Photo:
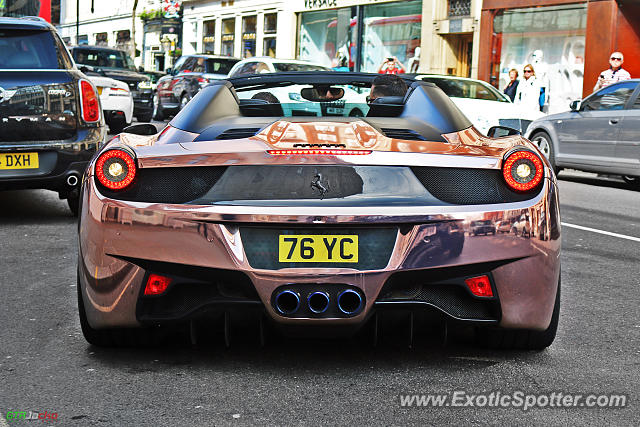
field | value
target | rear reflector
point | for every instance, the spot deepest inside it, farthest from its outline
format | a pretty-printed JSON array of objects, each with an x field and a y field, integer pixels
[
  {"x": 90, "y": 104},
  {"x": 156, "y": 284},
  {"x": 318, "y": 152},
  {"x": 480, "y": 286}
]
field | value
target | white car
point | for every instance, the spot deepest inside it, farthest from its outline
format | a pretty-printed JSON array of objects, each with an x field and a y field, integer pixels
[
  {"x": 482, "y": 103},
  {"x": 352, "y": 103},
  {"x": 116, "y": 101}
]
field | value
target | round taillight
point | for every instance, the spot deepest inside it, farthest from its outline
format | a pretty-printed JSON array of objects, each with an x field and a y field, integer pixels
[
  {"x": 523, "y": 170},
  {"x": 115, "y": 169}
]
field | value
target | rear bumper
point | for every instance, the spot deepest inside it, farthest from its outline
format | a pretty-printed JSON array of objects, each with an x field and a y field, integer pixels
[
  {"x": 202, "y": 248},
  {"x": 59, "y": 160}
]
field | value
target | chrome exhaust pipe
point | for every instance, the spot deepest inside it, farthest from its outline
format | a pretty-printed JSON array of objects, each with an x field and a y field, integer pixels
[
  {"x": 349, "y": 301},
  {"x": 318, "y": 302},
  {"x": 72, "y": 180},
  {"x": 287, "y": 302}
]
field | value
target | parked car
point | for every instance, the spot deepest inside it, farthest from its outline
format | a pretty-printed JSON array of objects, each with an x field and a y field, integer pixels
[
  {"x": 482, "y": 103},
  {"x": 600, "y": 133},
  {"x": 116, "y": 101},
  {"x": 503, "y": 226},
  {"x": 484, "y": 226},
  {"x": 51, "y": 122},
  {"x": 118, "y": 65},
  {"x": 313, "y": 224},
  {"x": 522, "y": 226},
  {"x": 182, "y": 82},
  {"x": 350, "y": 103}
]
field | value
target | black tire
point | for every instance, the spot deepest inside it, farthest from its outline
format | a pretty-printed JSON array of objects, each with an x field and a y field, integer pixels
[
  {"x": 544, "y": 142},
  {"x": 184, "y": 100},
  {"x": 145, "y": 118},
  {"x": 158, "y": 112},
  {"x": 117, "y": 127},
  {"x": 356, "y": 113},
  {"x": 632, "y": 181},
  {"x": 146, "y": 337},
  {"x": 521, "y": 339},
  {"x": 73, "y": 201}
]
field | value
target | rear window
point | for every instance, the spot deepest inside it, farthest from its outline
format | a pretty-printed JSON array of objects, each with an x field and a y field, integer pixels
[
  {"x": 29, "y": 49},
  {"x": 285, "y": 66},
  {"x": 220, "y": 66},
  {"x": 103, "y": 58}
]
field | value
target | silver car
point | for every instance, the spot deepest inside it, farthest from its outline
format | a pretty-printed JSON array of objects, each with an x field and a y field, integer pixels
[{"x": 601, "y": 133}]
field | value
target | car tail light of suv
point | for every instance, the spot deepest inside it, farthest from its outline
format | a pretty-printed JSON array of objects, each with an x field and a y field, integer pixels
[{"x": 89, "y": 102}]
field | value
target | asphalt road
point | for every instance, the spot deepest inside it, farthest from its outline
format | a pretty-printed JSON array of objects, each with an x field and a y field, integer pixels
[{"x": 45, "y": 364}]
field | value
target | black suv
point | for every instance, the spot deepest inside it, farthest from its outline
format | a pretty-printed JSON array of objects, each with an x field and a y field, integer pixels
[
  {"x": 51, "y": 122},
  {"x": 190, "y": 74},
  {"x": 118, "y": 65}
]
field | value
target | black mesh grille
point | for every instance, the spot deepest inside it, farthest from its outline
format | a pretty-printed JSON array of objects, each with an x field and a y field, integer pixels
[
  {"x": 168, "y": 185},
  {"x": 465, "y": 186},
  {"x": 238, "y": 133},
  {"x": 406, "y": 134}
]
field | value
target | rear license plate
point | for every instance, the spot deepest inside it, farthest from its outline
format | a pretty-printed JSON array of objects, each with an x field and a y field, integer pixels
[
  {"x": 19, "y": 161},
  {"x": 318, "y": 248}
]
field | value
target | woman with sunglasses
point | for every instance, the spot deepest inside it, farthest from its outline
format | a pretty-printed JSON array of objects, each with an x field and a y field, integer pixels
[
  {"x": 528, "y": 93},
  {"x": 614, "y": 73}
]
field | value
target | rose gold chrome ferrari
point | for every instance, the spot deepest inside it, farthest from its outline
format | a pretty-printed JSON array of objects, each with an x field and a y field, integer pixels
[{"x": 290, "y": 209}]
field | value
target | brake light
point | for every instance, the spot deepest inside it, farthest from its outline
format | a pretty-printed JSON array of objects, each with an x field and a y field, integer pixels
[
  {"x": 90, "y": 104},
  {"x": 115, "y": 169},
  {"x": 156, "y": 284},
  {"x": 321, "y": 152},
  {"x": 523, "y": 170},
  {"x": 480, "y": 286},
  {"x": 203, "y": 80}
]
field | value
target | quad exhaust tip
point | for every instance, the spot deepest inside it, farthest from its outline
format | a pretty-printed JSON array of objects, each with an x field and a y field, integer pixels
[
  {"x": 287, "y": 302},
  {"x": 318, "y": 302},
  {"x": 349, "y": 301}
]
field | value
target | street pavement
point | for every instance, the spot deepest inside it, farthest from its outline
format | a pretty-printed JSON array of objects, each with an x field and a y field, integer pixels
[{"x": 45, "y": 364}]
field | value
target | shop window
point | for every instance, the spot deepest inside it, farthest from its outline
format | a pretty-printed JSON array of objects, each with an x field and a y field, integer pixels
[
  {"x": 102, "y": 39},
  {"x": 228, "y": 36},
  {"x": 270, "y": 23},
  {"x": 123, "y": 40},
  {"x": 269, "y": 47},
  {"x": 392, "y": 30},
  {"x": 328, "y": 37},
  {"x": 550, "y": 38},
  {"x": 249, "y": 36},
  {"x": 459, "y": 8},
  {"x": 83, "y": 39},
  {"x": 208, "y": 36}
]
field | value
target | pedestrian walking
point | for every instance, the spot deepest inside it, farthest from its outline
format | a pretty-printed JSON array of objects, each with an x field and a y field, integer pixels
[
  {"x": 528, "y": 92},
  {"x": 614, "y": 73},
  {"x": 512, "y": 87}
]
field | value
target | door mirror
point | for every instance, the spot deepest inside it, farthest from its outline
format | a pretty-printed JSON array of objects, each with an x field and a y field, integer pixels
[
  {"x": 141, "y": 129},
  {"x": 169, "y": 71},
  {"x": 500, "y": 131},
  {"x": 575, "y": 105}
]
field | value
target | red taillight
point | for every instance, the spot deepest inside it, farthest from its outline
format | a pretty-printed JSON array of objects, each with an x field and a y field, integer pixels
[
  {"x": 156, "y": 284},
  {"x": 480, "y": 286},
  {"x": 115, "y": 169},
  {"x": 318, "y": 152},
  {"x": 202, "y": 80},
  {"x": 90, "y": 104},
  {"x": 523, "y": 170}
]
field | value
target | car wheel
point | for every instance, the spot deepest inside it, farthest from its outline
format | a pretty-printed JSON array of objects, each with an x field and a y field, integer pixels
[
  {"x": 522, "y": 339},
  {"x": 543, "y": 141},
  {"x": 632, "y": 181},
  {"x": 184, "y": 101},
  {"x": 158, "y": 112},
  {"x": 115, "y": 337},
  {"x": 356, "y": 113},
  {"x": 73, "y": 201},
  {"x": 145, "y": 118}
]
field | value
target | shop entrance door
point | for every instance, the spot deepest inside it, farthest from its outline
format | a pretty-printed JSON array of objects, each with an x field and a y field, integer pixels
[{"x": 462, "y": 47}]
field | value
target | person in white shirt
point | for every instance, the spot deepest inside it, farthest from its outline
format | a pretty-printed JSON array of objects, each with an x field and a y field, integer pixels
[
  {"x": 614, "y": 73},
  {"x": 528, "y": 93}
]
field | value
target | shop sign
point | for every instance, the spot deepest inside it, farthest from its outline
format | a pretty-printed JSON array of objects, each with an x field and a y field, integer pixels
[
  {"x": 171, "y": 8},
  {"x": 249, "y": 36},
  {"x": 317, "y": 4}
]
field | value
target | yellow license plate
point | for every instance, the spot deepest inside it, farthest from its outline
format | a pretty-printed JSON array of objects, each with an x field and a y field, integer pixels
[
  {"x": 318, "y": 248},
  {"x": 100, "y": 90},
  {"x": 19, "y": 161}
]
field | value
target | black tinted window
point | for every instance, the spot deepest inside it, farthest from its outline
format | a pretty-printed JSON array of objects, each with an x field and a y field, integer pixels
[
  {"x": 612, "y": 97},
  {"x": 29, "y": 49},
  {"x": 219, "y": 66},
  {"x": 283, "y": 66},
  {"x": 101, "y": 58},
  {"x": 466, "y": 89}
]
